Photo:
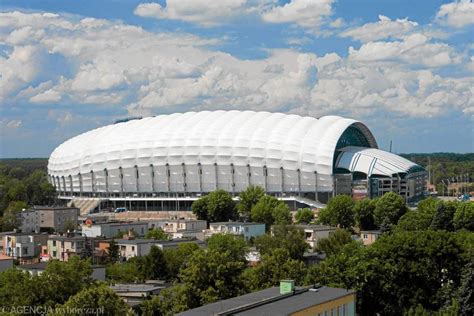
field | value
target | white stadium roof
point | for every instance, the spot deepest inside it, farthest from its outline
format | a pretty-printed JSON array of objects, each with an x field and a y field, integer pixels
[
  {"x": 372, "y": 161},
  {"x": 241, "y": 139}
]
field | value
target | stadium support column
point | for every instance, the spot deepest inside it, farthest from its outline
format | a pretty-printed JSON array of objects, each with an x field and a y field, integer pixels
[
  {"x": 216, "y": 171},
  {"x": 64, "y": 185},
  {"x": 249, "y": 174},
  {"x": 184, "y": 177},
  {"x": 70, "y": 185},
  {"x": 316, "y": 186},
  {"x": 265, "y": 174},
  {"x": 282, "y": 180},
  {"x": 92, "y": 182},
  {"x": 299, "y": 181},
  {"x": 59, "y": 184},
  {"x": 152, "y": 169},
  {"x": 200, "y": 177},
  {"x": 168, "y": 177},
  {"x": 137, "y": 186},
  {"x": 80, "y": 184},
  {"x": 121, "y": 180},
  {"x": 232, "y": 175},
  {"x": 106, "y": 174}
]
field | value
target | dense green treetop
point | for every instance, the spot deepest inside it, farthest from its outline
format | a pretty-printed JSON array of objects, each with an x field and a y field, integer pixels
[
  {"x": 217, "y": 206},
  {"x": 464, "y": 216},
  {"x": 235, "y": 245},
  {"x": 304, "y": 216},
  {"x": 287, "y": 237},
  {"x": 274, "y": 267},
  {"x": 364, "y": 214},
  {"x": 248, "y": 198},
  {"x": 335, "y": 242},
  {"x": 98, "y": 298},
  {"x": 338, "y": 212},
  {"x": 388, "y": 210},
  {"x": 270, "y": 210}
]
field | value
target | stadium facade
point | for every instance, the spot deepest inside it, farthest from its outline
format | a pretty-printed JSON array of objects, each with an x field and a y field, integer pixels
[{"x": 184, "y": 155}]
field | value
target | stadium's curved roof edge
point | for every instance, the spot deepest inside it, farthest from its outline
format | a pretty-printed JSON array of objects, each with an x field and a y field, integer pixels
[
  {"x": 274, "y": 140},
  {"x": 372, "y": 161}
]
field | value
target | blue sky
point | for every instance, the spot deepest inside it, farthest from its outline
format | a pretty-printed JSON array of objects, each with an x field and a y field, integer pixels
[{"x": 404, "y": 68}]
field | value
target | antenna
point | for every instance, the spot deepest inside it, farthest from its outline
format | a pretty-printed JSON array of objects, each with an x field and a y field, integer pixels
[{"x": 390, "y": 150}]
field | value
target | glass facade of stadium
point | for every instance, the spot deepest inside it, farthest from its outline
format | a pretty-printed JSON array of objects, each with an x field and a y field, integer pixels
[{"x": 155, "y": 163}]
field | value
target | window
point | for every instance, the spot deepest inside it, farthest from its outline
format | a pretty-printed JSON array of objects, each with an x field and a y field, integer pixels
[
  {"x": 25, "y": 250},
  {"x": 133, "y": 248},
  {"x": 365, "y": 236},
  {"x": 54, "y": 243},
  {"x": 54, "y": 254}
]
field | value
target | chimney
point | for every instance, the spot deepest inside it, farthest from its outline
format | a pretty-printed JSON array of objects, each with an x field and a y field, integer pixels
[{"x": 287, "y": 286}]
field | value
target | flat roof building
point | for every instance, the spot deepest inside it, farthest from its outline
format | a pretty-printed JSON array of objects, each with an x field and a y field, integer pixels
[{"x": 302, "y": 301}]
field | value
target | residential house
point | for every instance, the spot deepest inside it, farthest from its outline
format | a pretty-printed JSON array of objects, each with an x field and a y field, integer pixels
[
  {"x": 63, "y": 247},
  {"x": 135, "y": 293},
  {"x": 112, "y": 229},
  {"x": 313, "y": 233},
  {"x": 247, "y": 230},
  {"x": 185, "y": 228},
  {"x": 5, "y": 263},
  {"x": 23, "y": 246},
  {"x": 284, "y": 300},
  {"x": 56, "y": 218},
  {"x": 370, "y": 236},
  {"x": 141, "y": 247},
  {"x": 28, "y": 221},
  {"x": 98, "y": 271}
]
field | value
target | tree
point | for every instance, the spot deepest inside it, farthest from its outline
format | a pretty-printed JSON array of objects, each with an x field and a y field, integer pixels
[
  {"x": 364, "y": 214},
  {"x": 69, "y": 226},
  {"x": 17, "y": 288},
  {"x": 175, "y": 299},
  {"x": 339, "y": 212},
  {"x": 153, "y": 265},
  {"x": 113, "y": 253},
  {"x": 63, "y": 279},
  {"x": 10, "y": 219},
  {"x": 388, "y": 210},
  {"x": 248, "y": 198},
  {"x": 177, "y": 258},
  {"x": 270, "y": 210},
  {"x": 466, "y": 290},
  {"x": 335, "y": 242},
  {"x": 157, "y": 234},
  {"x": 236, "y": 245},
  {"x": 304, "y": 216},
  {"x": 428, "y": 205},
  {"x": 221, "y": 207},
  {"x": 212, "y": 275},
  {"x": 288, "y": 237},
  {"x": 464, "y": 216},
  {"x": 126, "y": 272},
  {"x": 398, "y": 271},
  {"x": 217, "y": 206},
  {"x": 443, "y": 217},
  {"x": 99, "y": 298},
  {"x": 414, "y": 221},
  {"x": 275, "y": 266},
  {"x": 200, "y": 208}
]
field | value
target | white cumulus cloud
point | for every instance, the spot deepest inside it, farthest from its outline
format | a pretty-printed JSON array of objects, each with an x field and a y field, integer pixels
[
  {"x": 383, "y": 29},
  {"x": 306, "y": 13},
  {"x": 456, "y": 14}
]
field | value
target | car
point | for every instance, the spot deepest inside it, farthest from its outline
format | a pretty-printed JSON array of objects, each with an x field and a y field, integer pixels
[{"x": 120, "y": 210}]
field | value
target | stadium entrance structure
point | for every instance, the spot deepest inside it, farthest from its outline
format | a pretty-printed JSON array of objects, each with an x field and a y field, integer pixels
[{"x": 185, "y": 155}]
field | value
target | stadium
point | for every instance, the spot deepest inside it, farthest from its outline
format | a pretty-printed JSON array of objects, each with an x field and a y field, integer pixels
[{"x": 168, "y": 161}]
